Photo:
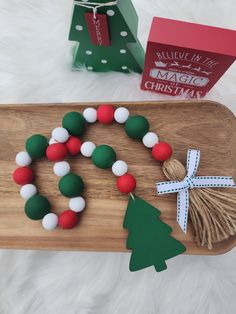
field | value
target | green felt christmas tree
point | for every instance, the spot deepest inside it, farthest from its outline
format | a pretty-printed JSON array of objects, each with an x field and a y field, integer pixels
[
  {"x": 124, "y": 53},
  {"x": 149, "y": 237}
]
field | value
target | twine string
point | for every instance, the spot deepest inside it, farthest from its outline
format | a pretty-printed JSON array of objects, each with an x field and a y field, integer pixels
[
  {"x": 95, "y": 5},
  {"x": 190, "y": 182},
  {"x": 213, "y": 212},
  {"x": 132, "y": 196}
]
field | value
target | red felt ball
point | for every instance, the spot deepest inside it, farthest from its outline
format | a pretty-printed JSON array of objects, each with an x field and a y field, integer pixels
[
  {"x": 56, "y": 152},
  {"x": 73, "y": 145},
  {"x": 126, "y": 183},
  {"x": 105, "y": 114},
  {"x": 23, "y": 175},
  {"x": 162, "y": 151},
  {"x": 68, "y": 219}
]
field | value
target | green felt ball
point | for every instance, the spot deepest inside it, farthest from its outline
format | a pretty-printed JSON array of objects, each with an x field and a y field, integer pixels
[
  {"x": 74, "y": 122},
  {"x": 103, "y": 156},
  {"x": 37, "y": 207},
  {"x": 36, "y": 145},
  {"x": 71, "y": 185},
  {"x": 136, "y": 126}
]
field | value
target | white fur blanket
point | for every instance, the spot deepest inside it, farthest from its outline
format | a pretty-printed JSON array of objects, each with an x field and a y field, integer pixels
[{"x": 35, "y": 58}]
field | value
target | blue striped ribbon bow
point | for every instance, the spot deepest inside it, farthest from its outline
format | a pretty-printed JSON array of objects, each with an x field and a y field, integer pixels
[{"x": 191, "y": 182}]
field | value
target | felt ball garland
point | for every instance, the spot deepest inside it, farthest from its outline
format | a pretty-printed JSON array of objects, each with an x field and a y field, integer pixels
[
  {"x": 61, "y": 168},
  {"x": 37, "y": 207},
  {"x": 105, "y": 114},
  {"x": 90, "y": 115},
  {"x": 71, "y": 185},
  {"x": 119, "y": 168},
  {"x": 65, "y": 141},
  {"x": 77, "y": 204},
  {"x": 23, "y": 175},
  {"x": 74, "y": 123},
  {"x": 136, "y": 127},
  {"x": 121, "y": 115},
  {"x": 60, "y": 135},
  {"x": 161, "y": 151},
  {"x": 87, "y": 149},
  {"x": 68, "y": 219},
  {"x": 56, "y": 152},
  {"x": 126, "y": 183},
  {"x": 73, "y": 145},
  {"x": 50, "y": 221},
  {"x": 144, "y": 217},
  {"x": 103, "y": 156},
  {"x": 23, "y": 159},
  {"x": 27, "y": 191},
  {"x": 150, "y": 139},
  {"x": 36, "y": 146}
]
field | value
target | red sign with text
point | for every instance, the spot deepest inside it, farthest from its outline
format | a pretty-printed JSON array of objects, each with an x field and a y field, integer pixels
[
  {"x": 185, "y": 58},
  {"x": 98, "y": 29}
]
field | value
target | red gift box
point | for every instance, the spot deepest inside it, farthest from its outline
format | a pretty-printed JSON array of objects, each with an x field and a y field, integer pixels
[{"x": 185, "y": 58}]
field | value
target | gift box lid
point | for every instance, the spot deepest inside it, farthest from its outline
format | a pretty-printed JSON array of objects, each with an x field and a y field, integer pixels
[{"x": 193, "y": 36}]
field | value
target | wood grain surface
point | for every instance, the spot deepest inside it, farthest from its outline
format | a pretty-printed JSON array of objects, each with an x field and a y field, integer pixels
[{"x": 205, "y": 125}]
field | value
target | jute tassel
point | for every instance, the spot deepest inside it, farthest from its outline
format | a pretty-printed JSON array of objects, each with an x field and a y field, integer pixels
[{"x": 213, "y": 212}]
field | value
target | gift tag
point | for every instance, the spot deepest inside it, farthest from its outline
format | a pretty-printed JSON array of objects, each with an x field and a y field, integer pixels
[{"x": 98, "y": 29}]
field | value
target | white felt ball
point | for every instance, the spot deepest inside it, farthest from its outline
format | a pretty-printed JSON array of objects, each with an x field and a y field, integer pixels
[
  {"x": 90, "y": 115},
  {"x": 60, "y": 134},
  {"x": 27, "y": 191},
  {"x": 50, "y": 221},
  {"x": 150, "y": 139},
  {"x": 119, "y": 168},
  {"x": 23, "y": 159},
  {"x": 61, "y": 168},
  {"x": 77, "y": 204},
  {"x": 87, "y": 149},
  {"x": 121, "y": 115},
  {"x": 52, "y": 141}
]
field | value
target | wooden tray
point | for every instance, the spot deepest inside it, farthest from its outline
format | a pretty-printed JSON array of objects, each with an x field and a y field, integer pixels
[{"x": 205, "y": 125}]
